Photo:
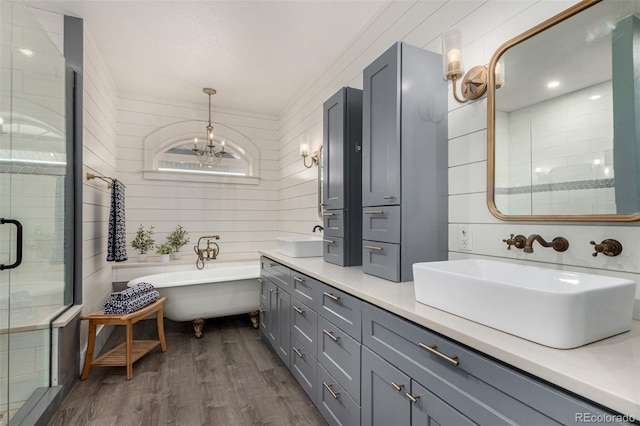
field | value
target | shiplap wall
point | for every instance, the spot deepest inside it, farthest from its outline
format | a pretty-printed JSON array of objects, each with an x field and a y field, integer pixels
[
  {"x": 99, "y": 157},
  {"x": 245, "y": 216},
  {"x": 485, "y": 26}
]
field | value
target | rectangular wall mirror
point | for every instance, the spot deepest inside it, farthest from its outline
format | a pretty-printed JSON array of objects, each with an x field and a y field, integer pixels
[{"x": 564, "y": 128}]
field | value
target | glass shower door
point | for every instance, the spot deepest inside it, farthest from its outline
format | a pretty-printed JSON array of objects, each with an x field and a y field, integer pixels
[{"x": 33, "y": 171}]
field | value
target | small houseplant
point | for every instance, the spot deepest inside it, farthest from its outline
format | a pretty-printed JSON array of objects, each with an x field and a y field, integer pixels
[
  {"x": 143, "y": 242},
  {"x": 164, "y": 250},
  {"x": 177, "y": 239}
]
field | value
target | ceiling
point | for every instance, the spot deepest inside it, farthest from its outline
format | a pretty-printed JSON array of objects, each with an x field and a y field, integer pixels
[{"x": 258, "y": 55}]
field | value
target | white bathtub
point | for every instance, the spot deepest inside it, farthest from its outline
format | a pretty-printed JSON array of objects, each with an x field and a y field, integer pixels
[{"x": 212, "y": 292}]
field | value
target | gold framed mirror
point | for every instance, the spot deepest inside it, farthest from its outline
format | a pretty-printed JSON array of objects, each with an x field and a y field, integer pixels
[{"x": 567, "y": 113}]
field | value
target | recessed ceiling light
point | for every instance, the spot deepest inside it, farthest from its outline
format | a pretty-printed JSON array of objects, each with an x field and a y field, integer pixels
[
  {"x": 596, "y": 162},
  {"x": 594, "y": 97},
  {"x": 553, "y": 84},
  {"x": 26, "y": 52}
]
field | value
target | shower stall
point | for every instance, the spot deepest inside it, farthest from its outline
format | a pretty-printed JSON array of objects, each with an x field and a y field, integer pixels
[{"x": 36, "y": 195}]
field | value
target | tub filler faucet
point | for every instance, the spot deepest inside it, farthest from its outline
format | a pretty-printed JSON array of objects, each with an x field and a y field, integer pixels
[{"x": 208, "y": 253}]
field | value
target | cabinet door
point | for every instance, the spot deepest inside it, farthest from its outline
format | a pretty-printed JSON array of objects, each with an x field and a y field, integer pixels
[
  {"x": 283, "y": 345},
  {"x": 264, "y": 291},
  {"x": 428, "y": 409},
  {"x": 333, "y": 155},
  {"x": 381, "y": 130},
  {"x": 383, "y": 392}
]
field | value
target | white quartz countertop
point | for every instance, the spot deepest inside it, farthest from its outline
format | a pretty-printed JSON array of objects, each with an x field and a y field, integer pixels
[{"x": 606, "y": 372}]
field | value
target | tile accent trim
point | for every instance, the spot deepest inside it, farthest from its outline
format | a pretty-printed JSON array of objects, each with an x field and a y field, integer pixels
[{"x": 560, "y": 186}]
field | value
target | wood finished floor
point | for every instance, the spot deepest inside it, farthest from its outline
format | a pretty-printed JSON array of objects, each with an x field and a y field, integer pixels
[{"x": 228, "y": 377}]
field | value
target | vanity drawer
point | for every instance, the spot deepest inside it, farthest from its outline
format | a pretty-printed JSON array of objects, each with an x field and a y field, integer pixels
[
  {"x": 305, "y": 289},
  {"x": 304, "y": 368},
  {"x": 517, "y": 398},
  {"x": 304, "y": 325},
  {"x": 342, "y": 309},
  {"x": 333, "y": 223},
  {"x": 339, "y": 354},
  {"x": 381, "y": 260},
  {"x": 381, "y": 224},
  {"x": 335, "y": 405},
  {"x": 277, "y": 273},
  {"x": 333, "y": 251}
]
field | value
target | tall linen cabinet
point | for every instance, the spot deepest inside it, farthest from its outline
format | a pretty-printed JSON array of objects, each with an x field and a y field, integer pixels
[
  {"x": 342, "y": 177},
  {"x": 404, "y": 163}
]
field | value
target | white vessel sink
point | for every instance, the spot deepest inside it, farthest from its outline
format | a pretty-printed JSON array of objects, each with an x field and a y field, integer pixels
[
  {"x": 559, "y": 309},
  {"x": 304, "y": 246}
]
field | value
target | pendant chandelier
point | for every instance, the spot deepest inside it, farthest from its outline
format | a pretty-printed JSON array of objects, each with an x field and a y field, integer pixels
[{"x": 208, "y": 156}]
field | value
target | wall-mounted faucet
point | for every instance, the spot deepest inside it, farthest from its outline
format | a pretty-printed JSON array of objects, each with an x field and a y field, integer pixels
[
  {"x": 558, "y": 243},
  {"x": 208, "y": 253},
  {"x": 607, "y": 247}
]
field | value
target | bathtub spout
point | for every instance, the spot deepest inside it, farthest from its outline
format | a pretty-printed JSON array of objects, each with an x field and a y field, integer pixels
[{"x": 198, "y": 324}]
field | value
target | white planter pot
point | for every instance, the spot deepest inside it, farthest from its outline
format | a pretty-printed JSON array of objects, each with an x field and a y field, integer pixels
[
  {"x": 164, "y": 258},
  {"x": 176, "y": 255},
  {"x": 142, "y": 257}
]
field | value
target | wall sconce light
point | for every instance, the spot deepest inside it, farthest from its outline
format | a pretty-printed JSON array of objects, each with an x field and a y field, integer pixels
[
  {"x": 474, "y": 82},
  {"x": 304, "y": 152}
]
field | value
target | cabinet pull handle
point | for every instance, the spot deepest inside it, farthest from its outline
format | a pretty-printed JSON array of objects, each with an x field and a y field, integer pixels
[
  {"x": 297, "y": 351},
  {"x": 298, "y": 310},
  {"x": 300, "y": 280},
  {"x": 434, "y": 350},
  {"x": 274, "y": 290},
  {"x": 272, "y": 264},
  {"x": 374, "y": 212},
  {"x": 328, "y": 214},
  {"x": 397, "y": 386},
  {"x": 413, "y": 399},
  {"x": 260, "y": 281},
  {"x": 388, "y": 197},
  {"x": 262, "y": 310},
  {"x": 374, "y": 248},
  {"x": 330, "y": 334},
  {"x": 331, "y": 296},
  {"x": 329, "y": 241},
  {"x": 328, "y": 387}
]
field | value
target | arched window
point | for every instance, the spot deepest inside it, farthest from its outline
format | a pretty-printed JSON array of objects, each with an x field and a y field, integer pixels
[{"x": 169, "y": 155}]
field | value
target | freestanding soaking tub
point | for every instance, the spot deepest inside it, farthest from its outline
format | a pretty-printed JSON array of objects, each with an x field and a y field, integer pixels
[{"x": 217, "y": 291}]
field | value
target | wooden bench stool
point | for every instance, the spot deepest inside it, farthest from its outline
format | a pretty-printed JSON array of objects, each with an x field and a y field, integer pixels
[{"x": 130, "y": 351}]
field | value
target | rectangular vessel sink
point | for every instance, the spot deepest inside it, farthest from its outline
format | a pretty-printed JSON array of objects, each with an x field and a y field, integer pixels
[
  {"x": 303, "y": 246},
  {"x": 555, "y": 308}
]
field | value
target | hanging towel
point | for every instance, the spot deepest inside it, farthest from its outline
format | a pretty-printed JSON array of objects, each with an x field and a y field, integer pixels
[{"x": 117, "y": 240}]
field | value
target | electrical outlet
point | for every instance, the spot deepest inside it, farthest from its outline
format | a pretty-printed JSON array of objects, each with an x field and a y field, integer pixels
[{"x": 465, "y": 241}]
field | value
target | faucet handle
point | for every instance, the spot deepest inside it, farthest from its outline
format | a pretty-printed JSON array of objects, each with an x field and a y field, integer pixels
[
  {"x": 518, "y": 241},
  {"x": 608, "y": 247}
]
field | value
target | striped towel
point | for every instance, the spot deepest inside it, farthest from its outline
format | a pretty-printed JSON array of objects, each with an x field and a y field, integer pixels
[
  {"x": 123, "y": 307},
  {"x": 132, "y": 291}
]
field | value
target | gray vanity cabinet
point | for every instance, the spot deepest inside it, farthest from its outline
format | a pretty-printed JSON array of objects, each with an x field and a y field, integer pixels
[
  {"x": 386, "y": 400},
  {"x": 342, "y": 177},
  {"x": 404, "y": 163}
]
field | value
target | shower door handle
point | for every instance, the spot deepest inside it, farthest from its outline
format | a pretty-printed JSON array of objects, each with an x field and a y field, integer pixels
[{"x": 18, "y": 244}]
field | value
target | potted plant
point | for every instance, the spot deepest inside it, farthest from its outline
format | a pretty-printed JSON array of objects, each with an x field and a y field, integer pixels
[
  {"x": 177, "y": 239},
  {"x": 164, "y": 250},
  {"x": 143, "y": 242}
]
